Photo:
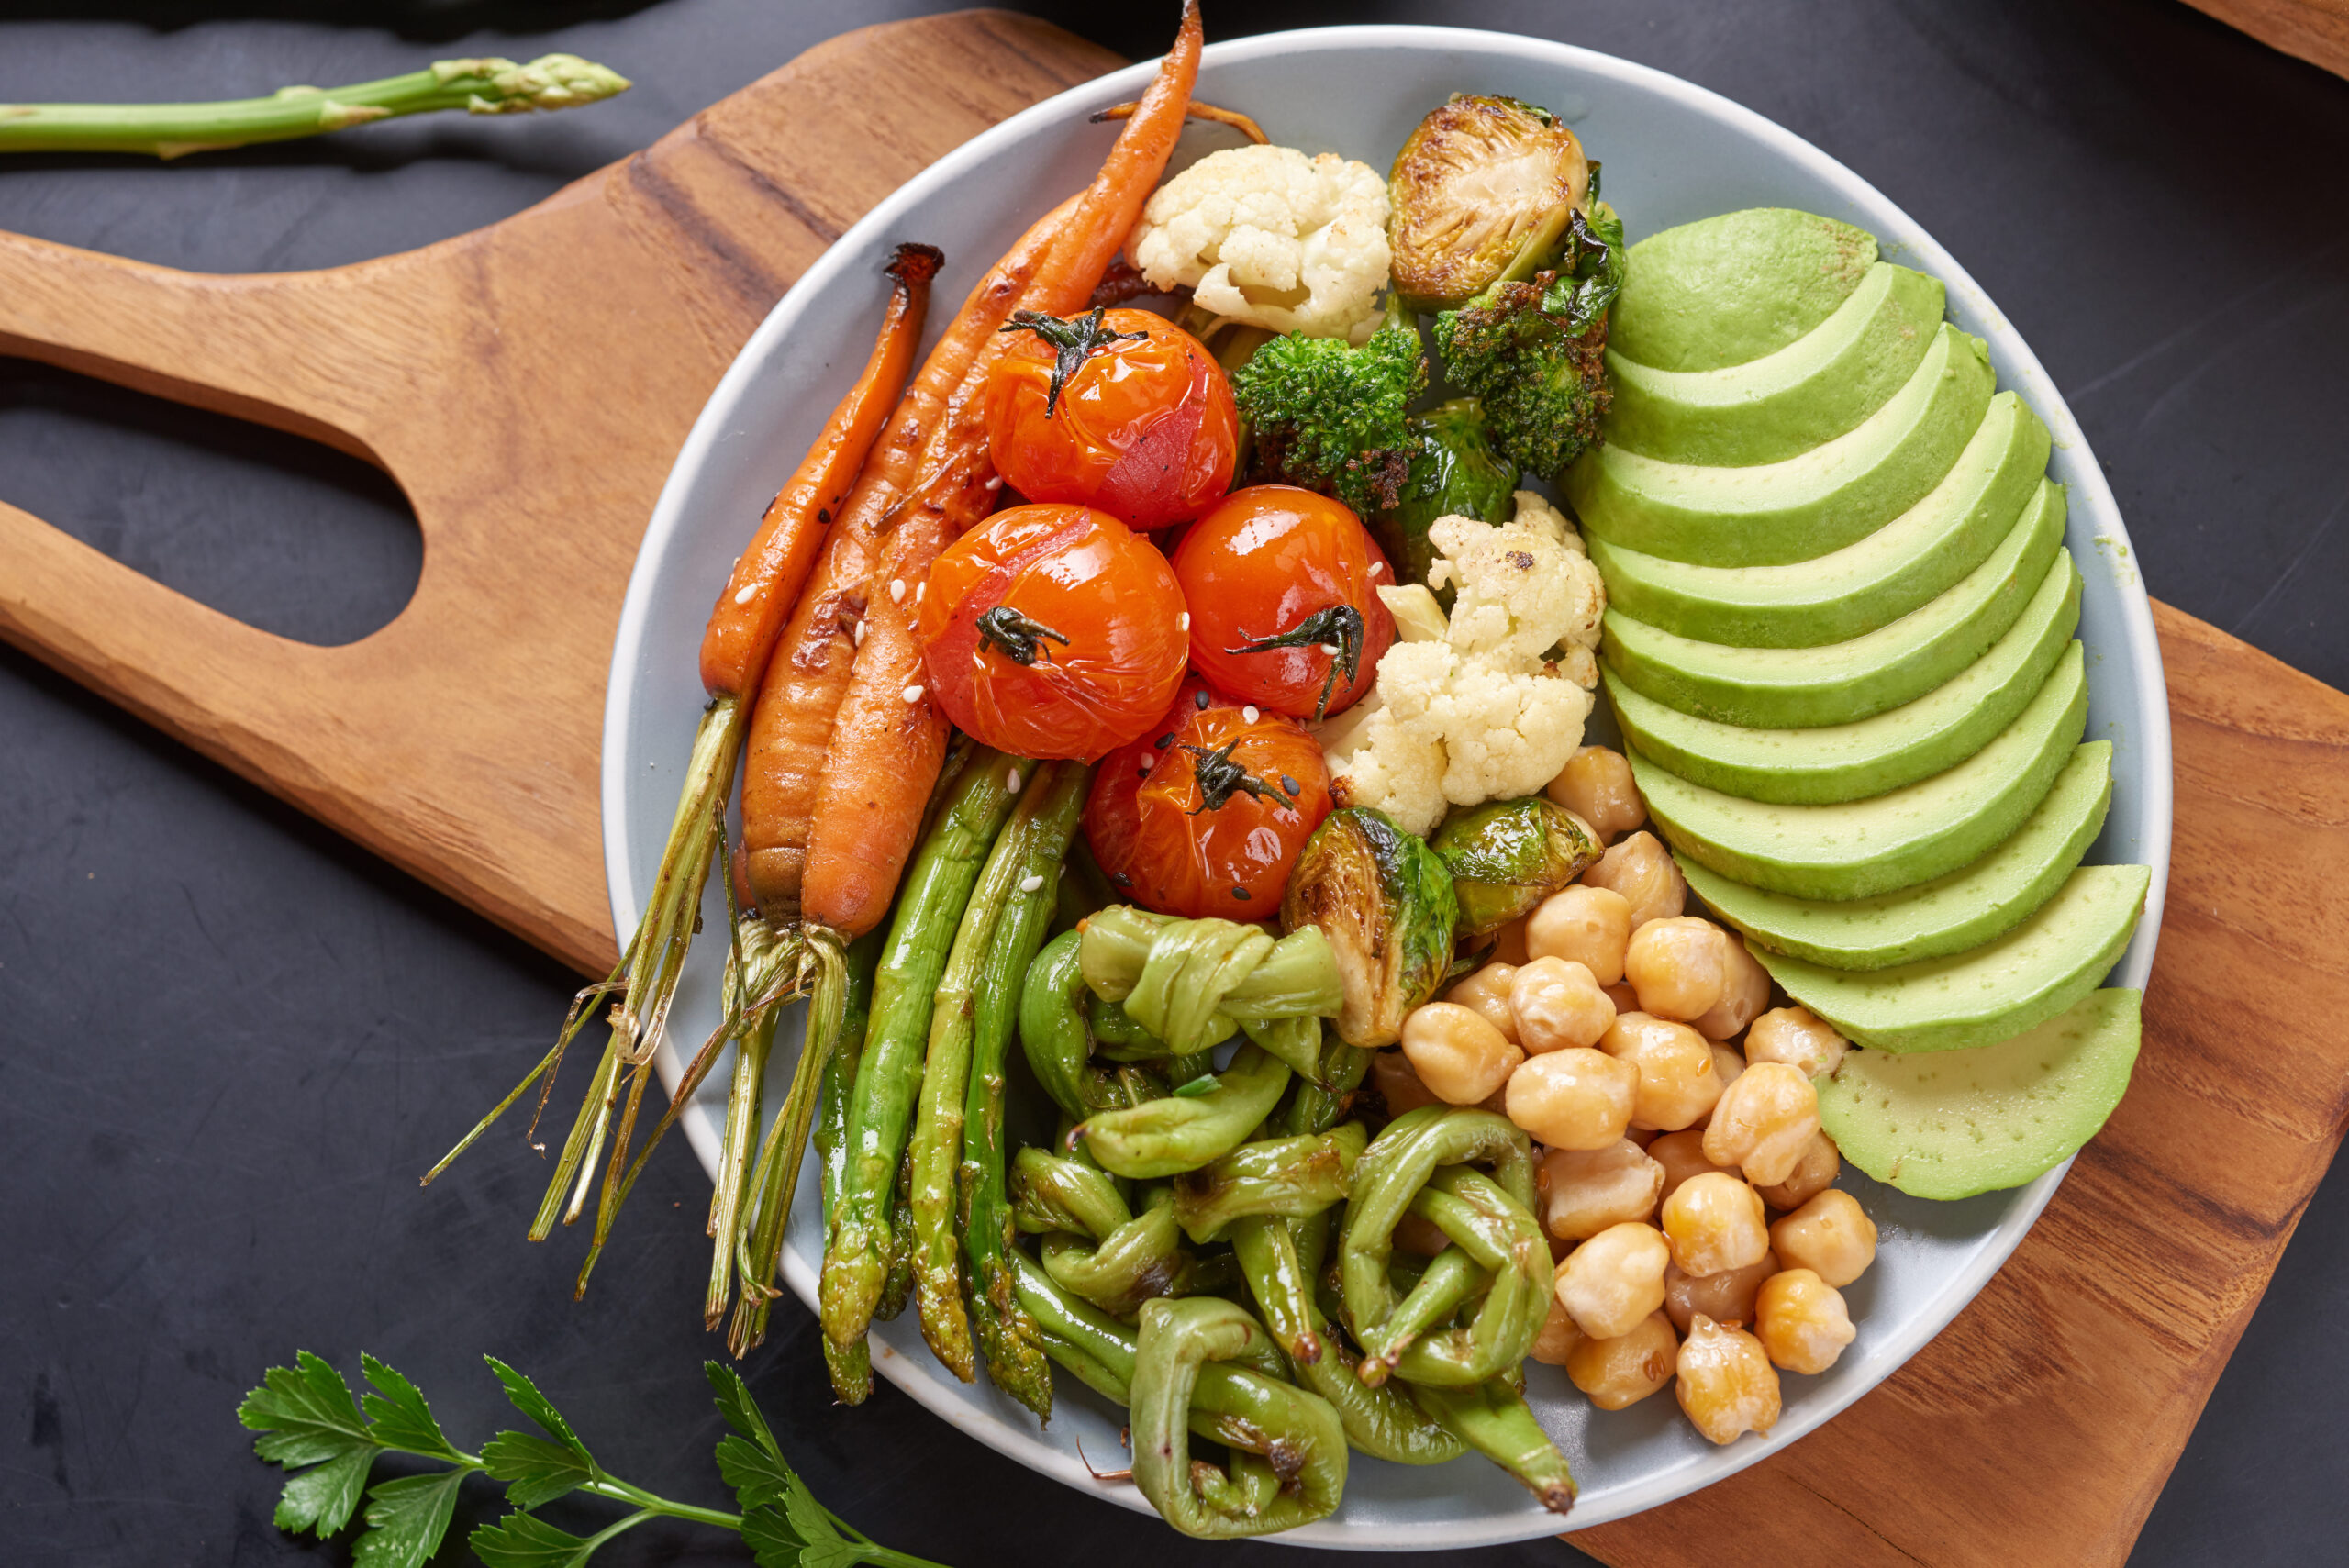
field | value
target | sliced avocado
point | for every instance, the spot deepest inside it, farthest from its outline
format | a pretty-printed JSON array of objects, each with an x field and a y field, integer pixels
[
  {"x": 1883, "y": 752},
  {"x": 1805, "y": 507},
  {"x": 1986, "y": 994},
  {"x": 1953, "y": 1124},
  {"x": 1861, "y": 586},
  {"x": 1865, "y": 847},
  {"x": 1781, "y": 405},
  {"x": 1838, "y": 683},
  {"x": 1949, "y": 914},
  {"x": 1725, "y": 290}
]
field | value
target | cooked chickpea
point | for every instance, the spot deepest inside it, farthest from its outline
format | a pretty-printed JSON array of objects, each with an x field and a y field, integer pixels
[
  {"x": 1746, "y": 991},
  {"x": 1586, "y": 1190},
  {"x": 1622, "y": 1371},
  {"x": 1677, "y": 965},
  {"x": 1726, "y": 1065},
  {"x": 1814, "y": 1174},
  {"x": 1725, "y": 1297},
  {"x": 1397, "y": 1083},
  {"x": 1801, "y": 1321},
  {"x": 1574, "y": 1098},
  {"x": 1726, "y": 1385},
  {"x": 1677, "y": 1083},
  {"x": 1459, "y": 1056},
  {"x": 1682, "y": 1155},
  {"x": 1796, "y": 1037},
  {"x": 1557, "y": 1004},
  {"x": 1614, "y": 1280},
  {"x": 1764, "y": 1123},
  {"x": 1597, "y": 786},
  {"x": 1832, "y": 1236},
  {"x": 1558, "y": 1337},
  {"x": 1486, "y": 994},
  {"x": 1589, "y": 926},
  {"x": 1640, "y": 869},
  {"x": 1509, "y": 942},
  {"x": 1714, "y": 1223}
]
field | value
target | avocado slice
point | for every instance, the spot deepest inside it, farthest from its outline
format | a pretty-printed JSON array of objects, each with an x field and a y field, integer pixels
[
  {"x": 1953, "y": 1124},
  {"x": 1949, "y": 914},
  {"x": 1861, "y": 586},
  {"x": 1897, "y": 839},
  {"x": 1805, "y": 507},
  {"x": 1727, "y": 289},
  {"x": 1838, "y": 683},
  {"x": 1883, "y": 752},
  {"x": 1978, "y": 997},
  {"x": 1782, "y": 405}
]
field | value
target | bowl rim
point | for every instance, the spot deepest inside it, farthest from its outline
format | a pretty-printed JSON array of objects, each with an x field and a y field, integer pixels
[{"x": 2091, "y": 497}]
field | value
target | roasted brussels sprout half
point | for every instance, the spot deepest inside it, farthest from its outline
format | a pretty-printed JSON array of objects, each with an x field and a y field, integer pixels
[
  {"x": 1478, "y": 176},
  {"x": 1508, "y": 856},
  {"x": 1454, "y": 472},
  {"x": 1384, "y": 900}
]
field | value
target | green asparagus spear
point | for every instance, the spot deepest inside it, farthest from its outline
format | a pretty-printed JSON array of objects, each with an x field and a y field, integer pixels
[
  {"x": 850, "y": 1368},
  {"x": 488, "y": 86},
  {"x": 930, "y": 907}
]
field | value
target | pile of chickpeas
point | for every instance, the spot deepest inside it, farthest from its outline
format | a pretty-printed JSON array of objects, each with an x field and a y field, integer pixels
[{"x": 1675, "y": 1112}]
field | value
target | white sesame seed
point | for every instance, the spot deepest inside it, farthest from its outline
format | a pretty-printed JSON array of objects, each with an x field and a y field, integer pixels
[
  {"x": 858, "y": 634},
  {"x": 897, "y": 590},
  {"x": 995, "y": 482},
  {"x": 1377, "y": 567},
  {"x": 1011, "y": 784},
  {"x": 913, "y": 694},
  {"x": 1248, "y": 714},
  {"x": 919, "y": 589},
  {"x": 1031, "y": 883},
  {"x": 745, "y": 594},
  {"x": 1331, "y": 649},
  {"x": 1183, "y": 621}
]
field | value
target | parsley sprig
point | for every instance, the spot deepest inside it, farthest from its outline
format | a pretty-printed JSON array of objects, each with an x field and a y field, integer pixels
[{"x": 310, "y": 1424}]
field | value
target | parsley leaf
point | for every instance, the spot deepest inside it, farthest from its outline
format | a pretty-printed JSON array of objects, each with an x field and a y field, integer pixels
[
  {"x": 533, "y": 1404},
  {"x": 402, "y": 1420},
  {"x": 407, "y": 1519},
  {"x": 751, "y": 1461},
  {"x": 772, "y": 1542},
  {"x": 535, "y": 1471},
  {"x": 520, "y": 1540},
  {"x": 305, "y": 1416}
]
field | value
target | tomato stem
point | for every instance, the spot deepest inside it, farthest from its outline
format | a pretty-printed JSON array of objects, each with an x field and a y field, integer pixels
[
  {"x": 1019, "y": 638},
  {"x": 1075, "y": 339},
  {"x": 1220, "y": 778},
  {"x": 1340, "y": 627}
]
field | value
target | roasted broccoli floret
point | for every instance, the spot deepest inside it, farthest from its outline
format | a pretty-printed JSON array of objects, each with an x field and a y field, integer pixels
[
  {"x": 1332, "y": 418},
  {"x": 1455, "y": 473},
  {"x": 1532, "y": 345}
]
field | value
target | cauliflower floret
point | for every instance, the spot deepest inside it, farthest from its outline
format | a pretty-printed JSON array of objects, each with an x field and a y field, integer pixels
[
  {"x": 1269, "y": 236},
  {"x": 1494, "y": 708}
]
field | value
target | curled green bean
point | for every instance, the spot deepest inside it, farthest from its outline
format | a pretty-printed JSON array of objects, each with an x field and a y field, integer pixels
[
  {"x": 1280, "y": 1267},
  {"x": 1493, "y": 1418},
  {"x": 1190, "y": 982},
  {"x": 1420, "y": 1164},
  {"x": 1289, "y": 1470},
  {"x": 1062, "y": 1025},
  {"x": 1096, "y": 1245},
  {"x": 1183, "y": 1132},
  {"x": 1321, "y": 1097},
  {"x": 1287, "y": 1176}
]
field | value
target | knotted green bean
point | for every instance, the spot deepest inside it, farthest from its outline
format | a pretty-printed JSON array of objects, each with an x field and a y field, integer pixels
[
  {"x": 1190, "y": 982},
  {"x": 1420, "y": 1165},
  {"x": 1096, "y": 1245},
  {"x": 1280, "y": 1258},
  {"x": 1492, "y": 1418},
  {"x": 1289, "y": 1472},
  {"x": 1319, "y": 1099},
  {"x": 1062, "y": 1025},
  {"x": 1183, "y": 1132},
  {"x": 1287, "y": 1176}
]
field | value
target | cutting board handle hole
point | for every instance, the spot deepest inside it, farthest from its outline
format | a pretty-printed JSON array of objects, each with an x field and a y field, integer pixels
[{"x": 283, "y": 533}]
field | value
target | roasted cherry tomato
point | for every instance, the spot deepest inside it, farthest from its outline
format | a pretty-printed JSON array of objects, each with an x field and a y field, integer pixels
[
  {"x": 1118, "y": 409},
  {"x": 1051, "y": 631},
  {"x": 1282, "y": 584},
  {"x": 1203, "y": 814}
]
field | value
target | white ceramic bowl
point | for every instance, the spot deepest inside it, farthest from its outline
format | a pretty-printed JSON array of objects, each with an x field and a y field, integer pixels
[{"x": 1673, "y": 153}]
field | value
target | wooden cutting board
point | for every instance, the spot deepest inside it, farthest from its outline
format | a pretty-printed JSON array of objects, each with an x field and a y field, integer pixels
[{"x": 461, "y": 742}]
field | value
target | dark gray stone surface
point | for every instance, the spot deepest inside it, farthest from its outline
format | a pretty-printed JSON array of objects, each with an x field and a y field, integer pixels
[{"x": 229, "y": 1042}]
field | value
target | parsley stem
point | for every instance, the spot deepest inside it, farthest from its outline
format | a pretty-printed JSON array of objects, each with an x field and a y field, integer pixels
[{"x": 621, "y": 1492}]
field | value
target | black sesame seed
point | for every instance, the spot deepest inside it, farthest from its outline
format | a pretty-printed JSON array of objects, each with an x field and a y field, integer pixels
[
  {"x": 1164, "y": 741},
  {"x": 1121, "y": 879},
  {"x": 1200, "y": 701},
  {"x": 1290, "y": 784},
  {"x": 1241, "y": 894}
]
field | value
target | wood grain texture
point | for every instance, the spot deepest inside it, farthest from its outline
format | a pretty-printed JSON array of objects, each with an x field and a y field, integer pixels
[
  {"x": 2040, "y": 1426},
  {"x": 461, "y": 742},
  {"x": 2315, "y": 30}
]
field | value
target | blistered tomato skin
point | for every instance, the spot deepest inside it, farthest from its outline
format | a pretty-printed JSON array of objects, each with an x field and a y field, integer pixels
[
  {"x": 1275, "y": 564},
  {"x": 1144, "y": 427},
  {"x": 1051, "y": 631},
  {"x": 1205, "y": 814}
]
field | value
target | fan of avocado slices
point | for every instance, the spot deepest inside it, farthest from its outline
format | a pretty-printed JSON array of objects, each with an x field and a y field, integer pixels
[{"x": 1841, "y": 649}]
